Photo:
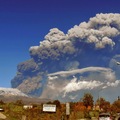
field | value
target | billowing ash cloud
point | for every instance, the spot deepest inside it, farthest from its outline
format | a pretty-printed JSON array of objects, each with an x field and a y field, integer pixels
[
  {"x": 99, "y": 30},
  {"x": 89, "y": 52},
  {"x": 55, "y": 44}
]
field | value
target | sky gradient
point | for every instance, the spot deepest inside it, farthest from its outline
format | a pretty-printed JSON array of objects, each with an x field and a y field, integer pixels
[{"x": 24, "y": 23}]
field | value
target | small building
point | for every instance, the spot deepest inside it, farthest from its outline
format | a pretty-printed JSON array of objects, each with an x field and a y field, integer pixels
[
  {"x": 49, "y": 108},
  {"x": 1, "y": 110},
  {"x": 27, "y": 106}
]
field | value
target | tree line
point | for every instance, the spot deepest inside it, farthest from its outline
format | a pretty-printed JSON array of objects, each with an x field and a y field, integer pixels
[{"x": 85, "y": 108}]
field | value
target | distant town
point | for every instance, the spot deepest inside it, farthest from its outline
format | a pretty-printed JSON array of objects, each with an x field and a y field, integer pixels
[{"x": 85, "y": 108}]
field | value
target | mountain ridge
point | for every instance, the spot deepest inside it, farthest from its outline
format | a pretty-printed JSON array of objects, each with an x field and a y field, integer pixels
[{"x": 13, "y": 94}]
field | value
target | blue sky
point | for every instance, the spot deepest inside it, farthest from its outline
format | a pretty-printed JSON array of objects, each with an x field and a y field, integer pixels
[{"x": 23, "y": 23}]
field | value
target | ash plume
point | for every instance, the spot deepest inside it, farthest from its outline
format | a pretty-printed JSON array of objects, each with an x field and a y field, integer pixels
[{"x": 89, "y": 51}]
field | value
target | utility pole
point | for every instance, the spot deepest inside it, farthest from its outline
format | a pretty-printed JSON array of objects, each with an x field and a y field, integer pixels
[
  {"x": 67, "y": 110},
  {"x": 118, "y": 97}
]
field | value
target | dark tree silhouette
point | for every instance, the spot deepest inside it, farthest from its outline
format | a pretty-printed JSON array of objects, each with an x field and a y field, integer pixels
[{"x": 88, "y": 100}]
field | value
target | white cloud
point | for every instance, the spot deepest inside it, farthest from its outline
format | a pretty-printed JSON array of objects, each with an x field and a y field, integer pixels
[
  {"x": 68, "y": 83},
  {"x": 114, "y": 84},
  {"x": 87, "y": 69},
  {"x": 81, "y": 85}
]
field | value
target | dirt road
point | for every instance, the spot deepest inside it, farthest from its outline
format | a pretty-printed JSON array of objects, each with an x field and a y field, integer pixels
[{"x": 2, "y": 116}]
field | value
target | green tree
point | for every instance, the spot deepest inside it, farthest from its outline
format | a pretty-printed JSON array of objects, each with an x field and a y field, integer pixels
[
  {"x": 19, "y": 102},
  {"x": 88, "y": 100},
  {"x": 1, "y": 102},
  {"x": 57, "y": 103}
]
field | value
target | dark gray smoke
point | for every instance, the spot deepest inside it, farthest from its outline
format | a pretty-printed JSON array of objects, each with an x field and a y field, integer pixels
[{"x": 88, "y": 52}]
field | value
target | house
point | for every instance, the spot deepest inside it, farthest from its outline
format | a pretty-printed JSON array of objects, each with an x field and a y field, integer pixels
[
  {"x": 27, "y": 106},
  {"x": 1, "y": 110}
]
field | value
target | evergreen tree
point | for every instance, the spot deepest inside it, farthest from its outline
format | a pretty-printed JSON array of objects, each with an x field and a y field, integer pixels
[{"x": 88, "y": 100}]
